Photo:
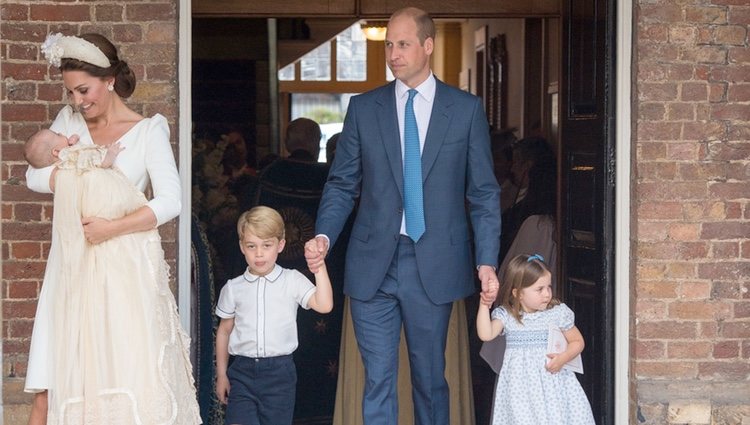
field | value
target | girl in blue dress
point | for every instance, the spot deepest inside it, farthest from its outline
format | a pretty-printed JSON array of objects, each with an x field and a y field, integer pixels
[{"x": 533, "y": 387}]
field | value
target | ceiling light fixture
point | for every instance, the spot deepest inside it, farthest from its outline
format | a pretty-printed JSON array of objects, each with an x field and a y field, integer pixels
[{"x": 374, "y": 30}]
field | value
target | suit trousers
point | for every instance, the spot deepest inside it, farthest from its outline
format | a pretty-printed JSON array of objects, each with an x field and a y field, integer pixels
[{"x": 401, "y": 300}]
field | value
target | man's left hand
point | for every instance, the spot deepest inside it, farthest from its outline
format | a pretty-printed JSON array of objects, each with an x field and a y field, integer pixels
[{"x": 489, "y": 281}]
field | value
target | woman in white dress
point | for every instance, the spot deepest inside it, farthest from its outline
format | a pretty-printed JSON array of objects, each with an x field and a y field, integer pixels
[{"x": 106, "y": 345}]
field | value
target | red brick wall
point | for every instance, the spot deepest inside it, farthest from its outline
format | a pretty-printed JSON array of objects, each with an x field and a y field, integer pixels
[
  {"x": 692, "y": 252},
  {"x": 146, "y": 35}
]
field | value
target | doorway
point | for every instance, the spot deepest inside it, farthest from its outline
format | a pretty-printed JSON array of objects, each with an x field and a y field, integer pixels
[{"x": 585, "y": 157}]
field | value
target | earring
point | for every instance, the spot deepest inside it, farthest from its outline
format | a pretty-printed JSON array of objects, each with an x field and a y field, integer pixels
[{"x": 111, "y": 87}]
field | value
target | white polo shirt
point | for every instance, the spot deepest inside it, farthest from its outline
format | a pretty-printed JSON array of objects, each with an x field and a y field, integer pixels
[{"x": 264, "y": 309}]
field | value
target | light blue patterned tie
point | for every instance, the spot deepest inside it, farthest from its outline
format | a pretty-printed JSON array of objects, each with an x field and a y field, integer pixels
[{"x": 413, "y": 202}]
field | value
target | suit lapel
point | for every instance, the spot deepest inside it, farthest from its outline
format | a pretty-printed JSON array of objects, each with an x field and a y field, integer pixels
[
  {"x": 389, "y": 133},
  {"x": 438, "y": 128}
]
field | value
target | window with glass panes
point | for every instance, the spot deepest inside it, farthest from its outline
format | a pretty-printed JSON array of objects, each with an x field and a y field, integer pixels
[{"x": 344, "y": 57}]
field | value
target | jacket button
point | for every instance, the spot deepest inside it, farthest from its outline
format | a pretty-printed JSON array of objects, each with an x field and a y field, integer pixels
[{"x": 400, "y": 210}]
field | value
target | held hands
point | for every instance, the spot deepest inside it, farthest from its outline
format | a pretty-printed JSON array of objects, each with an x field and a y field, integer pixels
[
  {"x": 222, "y": 388},
  {"x": 487, "y": 298},
  {"x": 315, "y": 253},
  {"x": 490, "y": 285}
]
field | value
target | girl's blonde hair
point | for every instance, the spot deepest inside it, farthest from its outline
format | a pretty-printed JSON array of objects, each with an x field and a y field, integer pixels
[
  {"x": 522, "y": 271},
  {"x": 263, "y": 222}
]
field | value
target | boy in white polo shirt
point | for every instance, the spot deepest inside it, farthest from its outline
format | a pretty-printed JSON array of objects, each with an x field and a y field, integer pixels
[{"x": 258, "y": 312}]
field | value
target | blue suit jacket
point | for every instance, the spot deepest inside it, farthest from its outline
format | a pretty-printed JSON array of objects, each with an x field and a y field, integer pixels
[{"x": 459, "y": 188}]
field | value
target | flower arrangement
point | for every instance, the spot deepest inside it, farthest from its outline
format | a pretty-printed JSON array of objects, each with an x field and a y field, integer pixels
[{"x": 213, "y": 200}]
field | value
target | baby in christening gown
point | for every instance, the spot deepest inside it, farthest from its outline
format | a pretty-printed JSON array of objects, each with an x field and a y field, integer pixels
[{"x": 119, "y": 353}]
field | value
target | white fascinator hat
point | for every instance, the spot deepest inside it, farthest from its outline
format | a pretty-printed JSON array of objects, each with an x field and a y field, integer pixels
[{"x": 57, "y": 46}]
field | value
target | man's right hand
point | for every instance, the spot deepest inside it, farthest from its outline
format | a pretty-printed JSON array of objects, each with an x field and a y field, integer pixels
[{"x": 316, "y": 250}]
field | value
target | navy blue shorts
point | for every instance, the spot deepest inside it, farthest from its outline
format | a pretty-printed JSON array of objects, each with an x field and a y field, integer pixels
[{"x": 261, "y": 391}]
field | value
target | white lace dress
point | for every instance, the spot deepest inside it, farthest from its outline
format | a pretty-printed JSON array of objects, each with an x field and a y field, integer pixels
[
  {"x": 526, "y": 394},
  {"x": 107, "y": 342}
]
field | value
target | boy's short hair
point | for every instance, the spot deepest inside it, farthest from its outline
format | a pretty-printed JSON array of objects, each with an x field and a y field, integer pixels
[{"x": 263, "y": 222}]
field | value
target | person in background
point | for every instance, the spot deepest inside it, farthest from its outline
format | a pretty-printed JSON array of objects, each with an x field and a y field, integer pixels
[
  {"x": 267, "y": 160},
  {"x": 534, "y": 171},
  {"x": 502, "y": 159},
  {"x": 303, "y": 140},
  {"x": 240, "y": 175},
  {"x": 331, "y": 148},
  {"x": 300, "y": 171}
]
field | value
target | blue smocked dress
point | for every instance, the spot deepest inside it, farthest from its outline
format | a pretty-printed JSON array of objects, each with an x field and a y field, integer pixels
[{"x": 526, "y": 394}]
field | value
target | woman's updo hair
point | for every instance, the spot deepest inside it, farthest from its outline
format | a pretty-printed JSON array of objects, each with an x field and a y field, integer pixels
[{"x": 124, "y": 77}]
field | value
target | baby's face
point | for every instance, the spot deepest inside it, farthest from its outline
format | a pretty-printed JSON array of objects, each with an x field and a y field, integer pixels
[{"x": 58, "y": 142}]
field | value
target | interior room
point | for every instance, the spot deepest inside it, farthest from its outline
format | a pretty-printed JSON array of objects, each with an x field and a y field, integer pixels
[{"x": 252, "y": 76}]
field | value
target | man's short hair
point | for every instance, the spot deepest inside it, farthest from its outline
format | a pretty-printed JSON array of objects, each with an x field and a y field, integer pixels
[
  {"x": 303, "y": 134},
  {"x": 425, "y": 24}
]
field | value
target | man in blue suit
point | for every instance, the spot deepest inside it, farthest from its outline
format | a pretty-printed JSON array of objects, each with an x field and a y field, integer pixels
[{"x": 406, "y": 265}]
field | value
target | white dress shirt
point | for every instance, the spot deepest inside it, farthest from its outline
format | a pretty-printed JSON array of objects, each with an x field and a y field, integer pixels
[{"x": 264, "y": 309}]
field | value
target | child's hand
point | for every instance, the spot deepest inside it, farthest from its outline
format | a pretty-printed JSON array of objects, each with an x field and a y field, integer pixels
[
  {"x": 315, "y": 252},
  {"x": 112, "y": 151},
  {"x": 555, "y": 363},
  {"x": 488, "y": 297},
  {"x": 222, "y": 388}
]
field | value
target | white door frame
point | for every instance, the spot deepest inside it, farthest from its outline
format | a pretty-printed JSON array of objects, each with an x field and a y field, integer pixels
[
  {"x": 184, "y": 131},
  {"x": 623, "y": 75},
  {"x": 622, "y": 191}
]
